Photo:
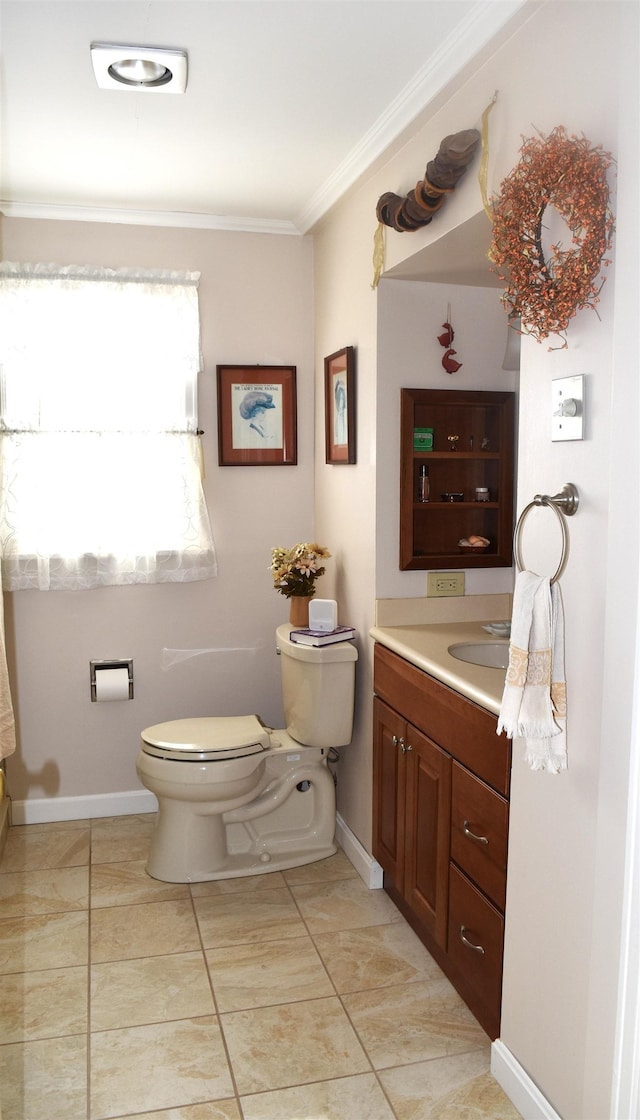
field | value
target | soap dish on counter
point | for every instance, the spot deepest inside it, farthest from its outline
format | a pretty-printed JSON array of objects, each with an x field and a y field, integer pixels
[{"x": 498, "y": 629}]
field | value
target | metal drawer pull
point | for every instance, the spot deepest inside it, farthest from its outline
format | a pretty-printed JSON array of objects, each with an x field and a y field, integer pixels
[
  {"x": 469, "y": 944},
  {"x": 472, "y": 835},
  {"x": 399, "y": 742}
]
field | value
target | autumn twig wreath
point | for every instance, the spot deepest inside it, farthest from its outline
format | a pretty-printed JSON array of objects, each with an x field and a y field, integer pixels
[{"x": 571, "y": 176}]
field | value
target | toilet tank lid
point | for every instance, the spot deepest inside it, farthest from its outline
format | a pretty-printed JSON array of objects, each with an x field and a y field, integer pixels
[
  {"x": 208, "y": 733},
  {"x": 341, "y": 651}
]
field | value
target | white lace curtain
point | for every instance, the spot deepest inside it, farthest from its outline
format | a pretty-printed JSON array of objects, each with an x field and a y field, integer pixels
[{"x": 100, "y": 458}]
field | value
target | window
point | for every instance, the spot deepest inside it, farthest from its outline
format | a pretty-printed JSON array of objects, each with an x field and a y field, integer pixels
[{"x": 100, "y": 458}]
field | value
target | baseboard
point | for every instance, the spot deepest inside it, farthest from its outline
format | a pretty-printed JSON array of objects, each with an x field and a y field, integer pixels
[
  {"x": 42, "y": 810},
  {"x": 5, "y": 821},
  {"x": 367, "y": 867},
  {"x": 523, "y": 1093}
]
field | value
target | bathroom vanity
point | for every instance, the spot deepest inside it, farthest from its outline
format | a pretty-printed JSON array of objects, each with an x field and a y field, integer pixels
[{"x": 441, "y": 803}]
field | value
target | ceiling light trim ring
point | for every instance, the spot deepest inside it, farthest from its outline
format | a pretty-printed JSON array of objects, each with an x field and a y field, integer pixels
[{"x": 141, "y": 69}]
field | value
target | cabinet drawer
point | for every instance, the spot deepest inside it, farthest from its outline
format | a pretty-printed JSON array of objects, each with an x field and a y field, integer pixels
[
  {"x": 476, "y": 936},
  {"x": 479, "y": 823},
  {"x": 464, "y": 729}
]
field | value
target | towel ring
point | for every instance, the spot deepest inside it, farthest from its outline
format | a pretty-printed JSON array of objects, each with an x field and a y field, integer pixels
[{"x": 563, "y": 505}]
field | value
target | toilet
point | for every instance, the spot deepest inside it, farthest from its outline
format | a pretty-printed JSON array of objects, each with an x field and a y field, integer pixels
[{"x": 238, "y": 798}]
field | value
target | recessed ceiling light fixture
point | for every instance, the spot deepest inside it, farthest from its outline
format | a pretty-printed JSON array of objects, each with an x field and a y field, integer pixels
[{"x": 148, "y": 69}]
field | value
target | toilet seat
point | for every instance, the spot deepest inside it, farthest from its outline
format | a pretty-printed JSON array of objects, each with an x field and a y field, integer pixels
[{"x": 206, "y": 738}]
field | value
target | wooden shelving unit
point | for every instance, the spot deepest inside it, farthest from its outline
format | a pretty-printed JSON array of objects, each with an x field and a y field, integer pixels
[{"x": 484, "y": 457}]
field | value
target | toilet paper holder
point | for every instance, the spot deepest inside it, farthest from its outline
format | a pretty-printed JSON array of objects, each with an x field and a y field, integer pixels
[{"x": 117, "y": 663}]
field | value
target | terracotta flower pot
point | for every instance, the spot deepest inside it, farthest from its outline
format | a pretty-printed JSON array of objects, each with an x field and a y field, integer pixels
[{"x": 299, "y": 611}]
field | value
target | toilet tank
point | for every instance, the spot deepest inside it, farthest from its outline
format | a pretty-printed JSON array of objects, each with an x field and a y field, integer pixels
[{"x": 318, "y": 690}]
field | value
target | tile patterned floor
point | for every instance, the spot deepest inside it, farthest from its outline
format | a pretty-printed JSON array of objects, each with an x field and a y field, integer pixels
[{"x": 298, "y": 995}]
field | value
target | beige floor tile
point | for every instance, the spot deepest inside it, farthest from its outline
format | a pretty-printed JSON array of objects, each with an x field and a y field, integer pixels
[
  {"x": 235, "y": 919},
  {"x": 50, "y": 826},
  {"x": 413, "y": 1022},
  {"x": 292, "y": 1044},
  {"x": 375, "y": 957},
  {"x": 44, "y": 941},
  {"x": 152, "y": 990},
  {"x": 26, "y": 851},
  {"x": 43, "y": 1004},
  {"x": 121, "y": 839},
  {"x": 118, "y": 884},
  {"x": 257, "y": 975},
  {"x": 325, "y": 870},
  {"x": 456, "y": 1088},
  {"x": 344, "y": 904},
  {"x": 245, "y": 884},
  {"x": 350, "y": 1098},
  {"x": 148, "y": 929},
  {"x": 45, "y": 1080},
  {"x": 212, "y": 1110},
  {"x": 165, "y": 1065},
  {"x": 44, "y": 892}
]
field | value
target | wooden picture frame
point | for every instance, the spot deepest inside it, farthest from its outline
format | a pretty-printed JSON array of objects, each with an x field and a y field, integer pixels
[
  {"x": 257, "y": 416},
  {"x": 340, "y": 406}
]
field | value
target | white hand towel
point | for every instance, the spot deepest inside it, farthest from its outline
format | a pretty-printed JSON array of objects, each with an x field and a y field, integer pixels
[
  {"x": 550, "y": 753},
  {"x": 529, "y": 710}
]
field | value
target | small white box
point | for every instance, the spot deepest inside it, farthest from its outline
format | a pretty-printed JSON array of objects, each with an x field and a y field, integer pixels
[{"x": 323, "y": 614}]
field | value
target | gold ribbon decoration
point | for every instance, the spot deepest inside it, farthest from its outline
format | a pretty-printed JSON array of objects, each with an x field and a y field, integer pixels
[
  {"x": 484, "y": 161},
  {"x": 378, "y": 255}
]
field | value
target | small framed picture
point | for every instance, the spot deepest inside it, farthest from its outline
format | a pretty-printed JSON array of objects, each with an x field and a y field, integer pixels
[
  {"x": 340, "y": 406},
  {"x": 257, "y": 416}
]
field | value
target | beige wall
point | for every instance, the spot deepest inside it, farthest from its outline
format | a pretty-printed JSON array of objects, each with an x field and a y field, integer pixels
[
  {"x": 574, "y": 64},
  {"x": 256, "y": 307}
]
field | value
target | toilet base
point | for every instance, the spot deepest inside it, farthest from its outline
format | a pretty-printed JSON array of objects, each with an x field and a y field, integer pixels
[
  {"x": 242, "y": 863},
  {"x": 290, "y": 823}
]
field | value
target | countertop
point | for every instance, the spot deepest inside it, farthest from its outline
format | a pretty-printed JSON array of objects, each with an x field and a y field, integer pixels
[{"x": 426, "y": 646}]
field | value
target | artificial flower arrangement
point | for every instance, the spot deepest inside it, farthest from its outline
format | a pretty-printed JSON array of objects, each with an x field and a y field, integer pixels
[{"x": 295, "y": 570}]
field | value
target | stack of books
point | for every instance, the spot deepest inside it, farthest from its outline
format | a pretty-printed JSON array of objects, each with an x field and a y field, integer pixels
[{"x": 322, "y": 637}]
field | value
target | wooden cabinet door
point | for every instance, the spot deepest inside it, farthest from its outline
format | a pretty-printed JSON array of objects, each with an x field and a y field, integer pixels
[
  {"x": 427, "y": 824},
  {"x": 389, "y": 731},
  {"x": 476, "y": 938}
]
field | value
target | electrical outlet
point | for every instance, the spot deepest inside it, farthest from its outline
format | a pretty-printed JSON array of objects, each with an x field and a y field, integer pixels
[{"x": 444, "y": 583}]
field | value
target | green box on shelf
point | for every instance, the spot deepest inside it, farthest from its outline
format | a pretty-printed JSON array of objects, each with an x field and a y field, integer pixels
[{"x": 423, "y": 439}]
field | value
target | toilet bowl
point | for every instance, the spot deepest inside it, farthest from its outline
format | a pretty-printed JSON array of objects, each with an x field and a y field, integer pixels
[{"x": 237, "y": 798}]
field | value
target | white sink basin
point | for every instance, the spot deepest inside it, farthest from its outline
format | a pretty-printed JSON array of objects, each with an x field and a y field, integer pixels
[{"x": 493, "y": 655}]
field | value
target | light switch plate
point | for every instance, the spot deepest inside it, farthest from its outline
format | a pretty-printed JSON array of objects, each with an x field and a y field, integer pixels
[{"x": 567, "y": 408}]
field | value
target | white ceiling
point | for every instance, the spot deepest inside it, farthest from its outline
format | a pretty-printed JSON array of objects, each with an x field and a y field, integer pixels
[{"x": 287, "y": 102}]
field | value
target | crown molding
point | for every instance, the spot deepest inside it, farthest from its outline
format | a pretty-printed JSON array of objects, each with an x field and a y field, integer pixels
[
  {"x": 168, "y": 218},
  {"x": 484, "y": 21}
]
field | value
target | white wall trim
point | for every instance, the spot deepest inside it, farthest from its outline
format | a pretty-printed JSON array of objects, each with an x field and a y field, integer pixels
[
  {"x": 163, "y": 218},
  {"x": 367, "y": 867},
  {"x": 42, "y": 810},
  {"x": 523, "y": 1093},
  {"x": 485, "y": 20}
]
